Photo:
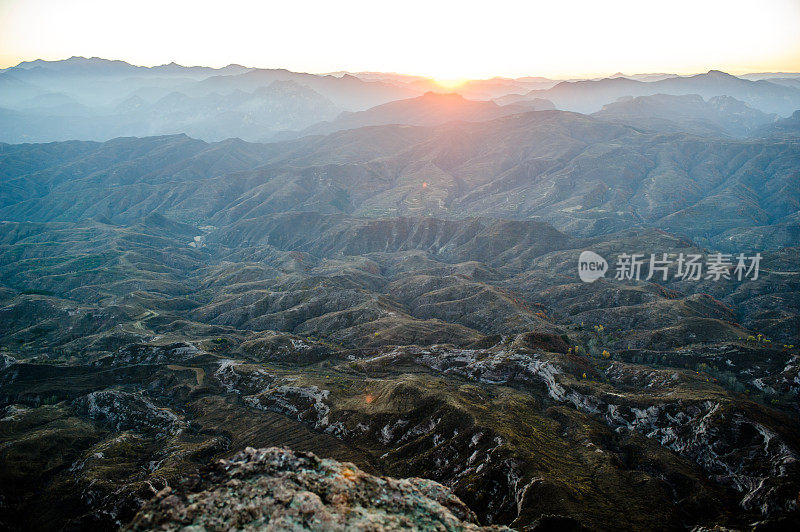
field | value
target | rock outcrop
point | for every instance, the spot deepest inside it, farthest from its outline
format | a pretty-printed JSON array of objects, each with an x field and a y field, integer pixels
[{"x": 277, "y": 489}]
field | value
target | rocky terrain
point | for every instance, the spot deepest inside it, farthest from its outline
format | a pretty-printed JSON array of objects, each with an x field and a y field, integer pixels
[
  {"x": 276, "y": 489},
  {"x": 517, "y": 431}
]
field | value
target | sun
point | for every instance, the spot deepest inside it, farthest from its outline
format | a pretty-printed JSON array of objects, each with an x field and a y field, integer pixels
[{"x": 450, "y": 83}]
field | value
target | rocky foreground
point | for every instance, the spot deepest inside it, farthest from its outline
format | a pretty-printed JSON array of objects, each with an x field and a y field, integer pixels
[
  {"x": 277, "y": 489},
  {"x": 525, "y": 436}
]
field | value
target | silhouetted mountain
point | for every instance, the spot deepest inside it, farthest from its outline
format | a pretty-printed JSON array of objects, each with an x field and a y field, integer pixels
[
  {"x": 98, "y": 67},
  {"x": 98, "y": 83},
  {"x": 98, "y": 99},
  {"x": 254, "y": 116},
  {"x": 590, "y": 95},
  {"x": 347, "y": 92}
]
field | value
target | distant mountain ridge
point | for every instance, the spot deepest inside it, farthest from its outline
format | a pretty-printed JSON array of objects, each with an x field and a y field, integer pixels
[
  {"x": 348, "y": 92},
  {"x": 430, "y": 109},
  {"x": 77, "y": 65},
  {"x": 590, "y": 95},
  {"x": 257, "y": 115},
  {"x": 99, "y": 99}
]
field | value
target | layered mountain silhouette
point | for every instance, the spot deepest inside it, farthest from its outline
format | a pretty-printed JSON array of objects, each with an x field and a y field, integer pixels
[
  {"x": 588, "y": 96},
  {"x": 98, "y": 99},
  {"x": 430, "y": 109},
  {"x": 257, "y": 115}
]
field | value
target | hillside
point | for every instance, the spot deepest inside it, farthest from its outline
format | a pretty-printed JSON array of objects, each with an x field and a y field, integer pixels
[
  {"x": 430, "y": 109},
  {"x": 585, "y": 176},
  {"x": 719, "y": 116}
]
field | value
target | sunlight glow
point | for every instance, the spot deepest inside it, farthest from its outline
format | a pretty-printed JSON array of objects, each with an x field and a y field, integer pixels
[
  {"x": 450, "y": 84},
  {"x": 445, "y": 39}
]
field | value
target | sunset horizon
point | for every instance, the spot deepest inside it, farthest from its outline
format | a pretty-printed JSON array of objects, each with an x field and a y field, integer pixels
[
  {"x": 572, "y": 39},
  {"x": 791, "y": 68}
]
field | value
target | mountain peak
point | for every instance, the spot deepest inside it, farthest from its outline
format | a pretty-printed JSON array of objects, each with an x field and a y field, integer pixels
[{"x": 719, "y": 74}]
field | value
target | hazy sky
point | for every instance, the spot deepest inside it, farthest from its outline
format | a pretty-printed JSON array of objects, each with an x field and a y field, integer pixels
[{"x": 440, "y": 39}]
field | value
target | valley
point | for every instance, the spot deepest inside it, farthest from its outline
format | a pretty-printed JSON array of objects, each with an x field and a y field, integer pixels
[{"x": 387, "y": 276}]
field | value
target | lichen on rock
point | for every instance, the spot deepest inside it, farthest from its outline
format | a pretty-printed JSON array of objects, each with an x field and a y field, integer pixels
[{"x": 278, "y": 489}]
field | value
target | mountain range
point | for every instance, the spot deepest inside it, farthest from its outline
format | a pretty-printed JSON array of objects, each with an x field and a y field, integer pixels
[
  {"x": 98, "y": 99},
  {"x": 585, "y": 176},
  {"x": 588, "y": 96},
  {"x": 207, "y": 275}
]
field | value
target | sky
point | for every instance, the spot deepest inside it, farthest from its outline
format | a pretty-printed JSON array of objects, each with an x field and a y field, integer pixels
[{"x": 441, "y": 39}]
